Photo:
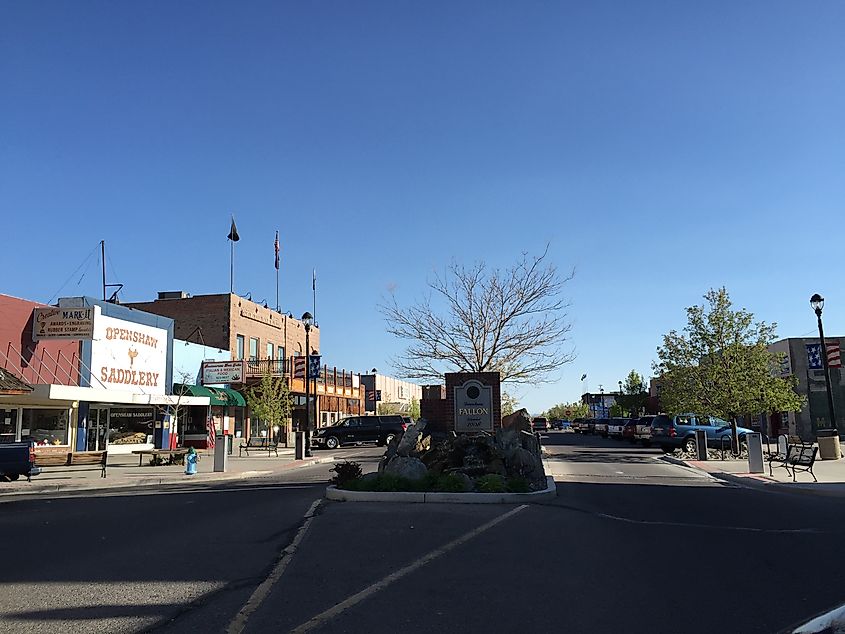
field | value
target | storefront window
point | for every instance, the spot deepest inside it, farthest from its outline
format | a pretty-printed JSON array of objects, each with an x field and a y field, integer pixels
[
  {"x": 45, "y": 426},
  {"x": 8, "y": 425},
  {"x": 237, "y": 413},
  {"x": 131, "y": 425}
]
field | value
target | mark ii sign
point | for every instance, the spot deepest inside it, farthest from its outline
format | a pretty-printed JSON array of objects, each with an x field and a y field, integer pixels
[{"x": 473, "y": 407}]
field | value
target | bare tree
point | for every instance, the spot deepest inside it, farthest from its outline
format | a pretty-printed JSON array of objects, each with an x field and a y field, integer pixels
[{"x": 478, "y": 319}]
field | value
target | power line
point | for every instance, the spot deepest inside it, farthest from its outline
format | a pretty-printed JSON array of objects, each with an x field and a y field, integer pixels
[{"x": 72, "y": 275}]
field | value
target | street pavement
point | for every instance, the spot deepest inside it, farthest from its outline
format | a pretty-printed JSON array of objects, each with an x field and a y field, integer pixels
[{"x": 631, "y": 544}]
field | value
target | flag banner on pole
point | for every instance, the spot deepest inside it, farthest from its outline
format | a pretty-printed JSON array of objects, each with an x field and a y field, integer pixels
[
  {"x": 583, "y": 376},
  {"x": 814, "y": 356},
  {"x": 233, "y": 232},
  {"x": 209, "y": 425},
  {"x": 299, "y": 367},
  {"x": 314, "y": 280},
  {"x": 276, "y": 247},
  {"x": 313, "y": 366},
  {"x": 834, "y": 356}
]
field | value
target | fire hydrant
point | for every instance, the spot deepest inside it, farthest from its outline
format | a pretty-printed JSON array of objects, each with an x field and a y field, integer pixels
[{"x": 191, "y": 459}]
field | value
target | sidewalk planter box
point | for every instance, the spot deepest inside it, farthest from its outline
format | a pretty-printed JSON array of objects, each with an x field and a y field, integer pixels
[{"x": 341, "y": 495}]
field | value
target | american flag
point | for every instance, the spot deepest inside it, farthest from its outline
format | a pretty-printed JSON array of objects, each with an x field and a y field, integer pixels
[
  {"x": 814, "y": 355},
  {"x": 276, "y": 247},
  {"x": 299, "y": 367},
  {"x": 209, "y": 425}
]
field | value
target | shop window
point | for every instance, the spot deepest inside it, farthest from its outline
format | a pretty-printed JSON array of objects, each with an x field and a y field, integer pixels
[
  {"x": 131, "y": 426},
  {"x": 8, "y": 425},
  {"x": 238, "y": 414},
  {"x": 253, "y": 348},
  {"x": 280, "y": 353},
  {"x": 240, "y": 339},
  {"x": 270, "y": 348},
  {"x": 45, "y": 426}
]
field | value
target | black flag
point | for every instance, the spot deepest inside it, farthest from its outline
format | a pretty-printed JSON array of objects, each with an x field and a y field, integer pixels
[{"x": 233, "y": 232}]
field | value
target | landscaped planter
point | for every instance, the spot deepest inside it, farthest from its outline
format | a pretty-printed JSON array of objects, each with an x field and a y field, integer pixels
[{"x": 342, "y": 495}]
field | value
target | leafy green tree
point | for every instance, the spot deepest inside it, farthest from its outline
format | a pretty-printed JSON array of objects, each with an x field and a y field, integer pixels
[
  {"x": 414, "y": 411},
  {"x": 720, "y": 365},
  {"x": 615, "y": 411},
  {"x": 509, "y": 404},
  {"x": 270, "y": 401},
  {"x": 634, "y": 396},
  {"x": 558, "y": 412}
]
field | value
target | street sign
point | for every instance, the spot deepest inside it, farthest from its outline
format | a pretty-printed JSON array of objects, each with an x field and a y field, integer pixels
[{"x": 568, "y": 413}]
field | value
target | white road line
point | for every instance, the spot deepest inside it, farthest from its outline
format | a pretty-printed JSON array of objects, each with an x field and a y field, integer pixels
[
  {"x": 261, "y": 592},
  {"x": 355, "y": 599}
]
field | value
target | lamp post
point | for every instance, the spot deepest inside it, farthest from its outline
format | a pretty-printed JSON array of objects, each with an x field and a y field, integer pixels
[
  {"x": 620, "y": 397},
  {"x": 601, "y": 391},
  {"x": 375, "y": 402},
  {"x": 817, "y": 303},
  {"x": 307, "y": 321}
]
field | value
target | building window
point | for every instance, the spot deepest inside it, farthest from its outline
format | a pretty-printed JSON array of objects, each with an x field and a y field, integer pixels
[
  {"x": 45, "y": 426},
  {"x": 131, "y": 426},
  {"x": 253, "y": 349},
  {"x": 240, "y": 339},
  {"x": 281, "y": 353},
  {"x": 8, "y": 425},
  {"x": 269, "y": 350}
]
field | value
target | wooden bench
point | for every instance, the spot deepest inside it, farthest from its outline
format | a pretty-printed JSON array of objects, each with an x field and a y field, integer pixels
[
  {"x": 260, "y": 443},
  {"x": 798, "y": 456},
  {"x": 172, "y": 454},
  {"x": 61, "y": 457}
]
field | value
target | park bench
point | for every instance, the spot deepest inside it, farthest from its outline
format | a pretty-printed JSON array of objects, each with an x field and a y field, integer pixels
[
  {"x": 258, "y": 443},
  {"x": 175, "y": 456},
  {"x": 798, "y": 456},
  {"x": 61, "y": 457}
]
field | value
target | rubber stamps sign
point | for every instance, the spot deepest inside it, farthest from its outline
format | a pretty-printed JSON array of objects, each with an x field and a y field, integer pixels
[{"x": 473, "y": 407}]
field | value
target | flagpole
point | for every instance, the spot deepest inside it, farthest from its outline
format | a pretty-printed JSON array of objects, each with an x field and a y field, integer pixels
[
  {"x": 314, "y": 289},
  {"x": 278, "y": 309},
  {"x": 232, "y": 268}
]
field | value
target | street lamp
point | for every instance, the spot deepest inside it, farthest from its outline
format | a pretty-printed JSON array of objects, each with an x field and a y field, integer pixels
[
  {"x": 307, "y": 321},
  {"x": 601, "y": 391},
  {"x": 817, "y": 303},
  {"x": 620, "y": 397}
]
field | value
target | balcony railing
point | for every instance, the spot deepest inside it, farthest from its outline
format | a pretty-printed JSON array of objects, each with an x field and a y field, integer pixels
[{"x": 260, "y": 367}]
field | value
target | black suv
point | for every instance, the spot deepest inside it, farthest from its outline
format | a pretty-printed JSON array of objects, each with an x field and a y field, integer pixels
[{"x": 359, "y": 429}]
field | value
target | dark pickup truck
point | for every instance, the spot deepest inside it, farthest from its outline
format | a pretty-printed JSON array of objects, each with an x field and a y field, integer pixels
[
  {"x": 17, "y": 459},
  {"x": 359, "y": 429}
]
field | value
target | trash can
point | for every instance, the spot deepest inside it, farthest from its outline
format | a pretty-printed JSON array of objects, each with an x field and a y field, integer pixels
[{"x": 828, "y": 440}]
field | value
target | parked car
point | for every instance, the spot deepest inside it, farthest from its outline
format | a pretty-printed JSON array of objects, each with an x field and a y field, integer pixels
[
  {"x": 540, "y": 424},
  {"x": 579, "y": 425},
  {"x": 643, "y": 430},
  {"x": 615, "y": 426},
  {"x": 629, "y": 430},
  {"x": 560, "y": 424},
  {"x": 674, "y": 432},
  {"x": 359, "y": 429},
  {"x": 600, "y": 427}
]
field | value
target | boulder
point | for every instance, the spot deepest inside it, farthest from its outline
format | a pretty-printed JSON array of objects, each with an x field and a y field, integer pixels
[
  {"x": 466, "y": 481},
  {"x": 519, "y": 420},
  {"x": 406, "y": 467},
  {"x": 408, "y": 441}
]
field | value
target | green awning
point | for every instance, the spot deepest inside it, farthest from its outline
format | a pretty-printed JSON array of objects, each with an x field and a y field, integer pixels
[
  {"x": 229, "y": 397},
  {"x": 218, "y": 396}
]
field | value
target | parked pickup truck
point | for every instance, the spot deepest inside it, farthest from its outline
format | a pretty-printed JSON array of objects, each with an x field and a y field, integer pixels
[
  {"x": 359, "y": 429},
  {"x": 17, "y": 459}
]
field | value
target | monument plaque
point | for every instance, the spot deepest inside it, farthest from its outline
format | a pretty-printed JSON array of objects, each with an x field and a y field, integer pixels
[{"x": 473, "y": 407}]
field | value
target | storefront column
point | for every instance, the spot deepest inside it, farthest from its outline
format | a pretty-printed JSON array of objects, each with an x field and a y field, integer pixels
[{"x": 82, "y": 426}]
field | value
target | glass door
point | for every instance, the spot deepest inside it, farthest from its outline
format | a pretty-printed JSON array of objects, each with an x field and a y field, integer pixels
[
  {"x": 9, "y": 425},
  {"x": 98, "y": 429}
]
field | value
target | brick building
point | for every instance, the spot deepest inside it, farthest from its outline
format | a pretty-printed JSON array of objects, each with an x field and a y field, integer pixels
[{"x": 267, "y": 341}]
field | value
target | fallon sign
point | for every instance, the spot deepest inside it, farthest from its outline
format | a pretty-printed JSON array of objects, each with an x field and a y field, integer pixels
[{"x": 473, "y": 407}]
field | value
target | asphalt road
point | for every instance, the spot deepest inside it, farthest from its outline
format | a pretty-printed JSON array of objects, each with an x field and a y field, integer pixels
[{"x": 631, "y": 544}]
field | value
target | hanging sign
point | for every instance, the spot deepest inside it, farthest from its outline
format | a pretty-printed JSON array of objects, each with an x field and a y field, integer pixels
[{"x": 62, "y": 323}]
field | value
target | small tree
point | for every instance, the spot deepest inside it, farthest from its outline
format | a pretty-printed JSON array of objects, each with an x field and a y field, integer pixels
[
  {"x": 414, "y": 410},
  {"x": 509, "y": 404},
  {"x": 721, "y": 365},
  {"x": 615, "y": 411},
  {"x": 634, "y": 396},
  {"x": 270, "y": 401},
  {"x": 559, "y": 411},
  {"x": 478, "y": 319}
]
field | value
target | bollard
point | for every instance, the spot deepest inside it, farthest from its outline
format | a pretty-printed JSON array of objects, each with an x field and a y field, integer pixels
[
  {"x": 755, "y": 452},
  {"x": 701, "y": 444},
  {"x": 299, "y": 448},
  {"x": 221, "y": 457}
]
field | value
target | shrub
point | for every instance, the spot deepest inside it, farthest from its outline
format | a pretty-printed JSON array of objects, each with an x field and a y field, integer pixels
[
  {"x": 490, "y": 483},
  {"x": 345, "y": 472},
  {"x": 518, "y": 484}
]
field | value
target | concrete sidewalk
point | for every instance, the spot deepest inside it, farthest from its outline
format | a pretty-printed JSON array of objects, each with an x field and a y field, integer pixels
[
  {"x": 830, "y": 474},
  {"x": 123, "y": 472}
]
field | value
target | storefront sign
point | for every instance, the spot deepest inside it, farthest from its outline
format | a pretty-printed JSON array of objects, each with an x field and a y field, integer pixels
[
  {"x": 220, "y": 372},
  {"x": 473, "y": 407},
  {"x": 127, "y": 356},
  {"x": 62, "y": 323}
]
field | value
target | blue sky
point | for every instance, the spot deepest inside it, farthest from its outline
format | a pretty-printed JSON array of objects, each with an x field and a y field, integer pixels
[{"x": 661, "y": 148}]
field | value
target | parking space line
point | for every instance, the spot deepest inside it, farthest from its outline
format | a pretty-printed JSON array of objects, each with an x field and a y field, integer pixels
[
  {"x": 367, "y": 592},
  {"x": 254, "y": 602}
]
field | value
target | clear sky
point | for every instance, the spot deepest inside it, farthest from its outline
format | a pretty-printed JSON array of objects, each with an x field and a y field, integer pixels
[{"x": 661, "y": 148}]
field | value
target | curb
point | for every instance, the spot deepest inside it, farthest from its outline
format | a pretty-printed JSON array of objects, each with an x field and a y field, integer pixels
[
  {"x": 153, "y": 482},
  {"x": 760, "y": 482},
  {"x": 339, "y": 495}
]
